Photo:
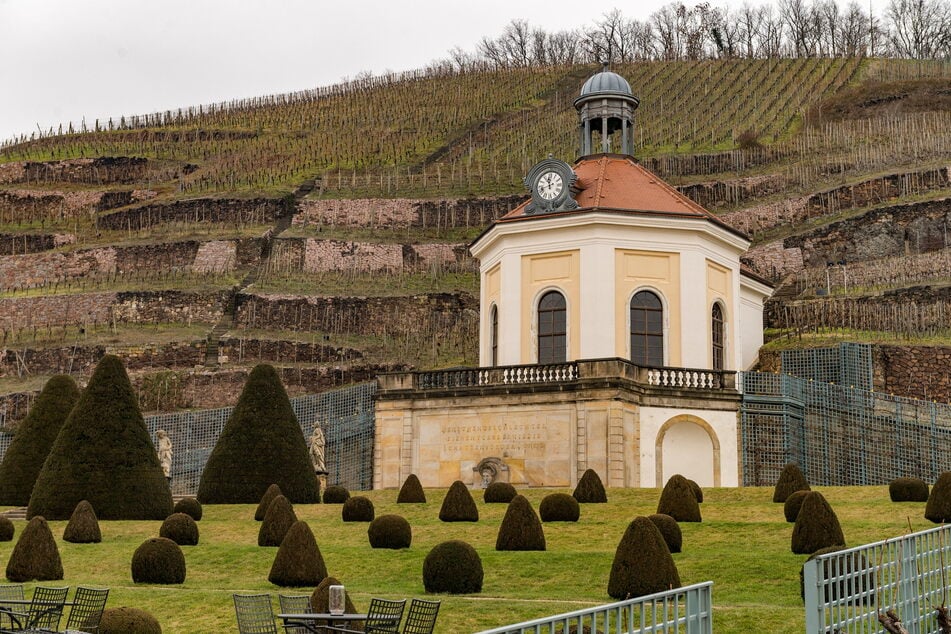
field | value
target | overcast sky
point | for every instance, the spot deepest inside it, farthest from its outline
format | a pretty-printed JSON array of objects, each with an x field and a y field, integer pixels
[{"x": 62, "y": 60}]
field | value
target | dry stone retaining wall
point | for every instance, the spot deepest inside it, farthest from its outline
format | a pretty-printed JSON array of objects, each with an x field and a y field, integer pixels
[
  {"x": 400, "y": 213},
  {"x": 82, "y": 359},
  {"x": 92, "y": 171},
  {"x": 20, "y": 243},
  {"x": 241, "y": 350},
  {"x": 238, "y": 211}
]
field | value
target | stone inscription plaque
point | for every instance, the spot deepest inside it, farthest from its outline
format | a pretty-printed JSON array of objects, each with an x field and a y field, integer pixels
[{"x": 494, "y": 438}]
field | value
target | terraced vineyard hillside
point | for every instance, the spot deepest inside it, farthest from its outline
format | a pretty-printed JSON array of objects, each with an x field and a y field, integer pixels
[{"x": 326, "y": 231}]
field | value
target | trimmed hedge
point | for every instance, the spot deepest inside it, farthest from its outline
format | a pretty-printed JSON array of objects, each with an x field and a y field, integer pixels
[
  {"x": 791, "y": 479},
  {"x": 6, "y": 529},
  {"x": 357, "y": 509},
  {"x": 181, "y": 529},
  {"x": 34, "y": 439},
  {"x": 190, "y": 507},
  {"x": 793, "y": 505},
  {"x": 453, "y": 567},
  {"x": 669, "y": 530},
  {"x": 499, "y": 493},
  {"x": 559, "y": 507},
  {"x": 908, "y": 490},
  {"x": 35, "y": 556},
  {"x": 817, "y": 526},
  {"x": 158, "y": 560},
  {"x": 103, "y": 454},
  {"x": 278, "y": 520},
  {"x": 272, "y": 492},
  {"x": 336, "y": 494},
  {"x": 411, "y": 492},
  {"x": 590, "y": 489},
  {"x": 390, "y": 531},
  {"x": 938, "y": 508},
  {"x": 261, "y": 444},
  {"x": 642, "y": 563},
  {"x": 125, "y": 620},
  {"x": 458, "y": 505},
  {"x": 697, "y": 491},
  {"x": 83, "y": 526},
  {"x": 298, "y": 561},
  {"x": 520, "y": 529},
  {"x": 679, "y": 500}
]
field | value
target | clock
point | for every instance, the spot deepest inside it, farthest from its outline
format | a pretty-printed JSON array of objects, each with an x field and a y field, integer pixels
[{"x": 550, "y": 182}]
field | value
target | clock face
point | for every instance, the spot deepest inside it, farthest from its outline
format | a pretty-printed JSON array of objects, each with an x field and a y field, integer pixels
[{"x": 550, "y": 185}]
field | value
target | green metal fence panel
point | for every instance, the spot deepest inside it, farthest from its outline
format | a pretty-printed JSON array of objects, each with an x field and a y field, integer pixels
[
  {"x": 687, "y": 610},
  {"x": 846, "y": 591},
  {"x": 848, "y": 364}
]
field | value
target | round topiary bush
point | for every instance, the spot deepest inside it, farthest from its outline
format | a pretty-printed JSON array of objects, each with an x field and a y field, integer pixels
[
  {"x": 791, "y": 479},
  {"x": 453, "y": 567},
  {"x": 642, "y": 563},
  {"x": 128, "y": 621},
  {"x": 320, "y": 598},
  {"x": 336, "y": 494},
  {"x": 590, "y": 489},
  {"x": 278, "y": 520},
  {"x": 103, "y": 454},
  {"x": 390, "y": 531},
  {"x": 679, "y": 500},
  {"x": 83, "y": 526},
  {"x": 35, "y": 555},
  {"x": 908, "y": 490},
  {"x": 261, "y": 444},
  {"x": 697, "y": 491},
  {"x": 793, "y": 505},
  {"x": 298, "y": 561},
  {"x": 559, "y": 507},
  {"x": 669, "y": 530},
  {"x": 158, "y": 560},
  {"x": 411, "y": 492},
  {"x": 34, "y": 439},
  {"x": 520, "y": 529},
  {"x": 817, "y": 526},
  {"x": 357, "y": 509},
  {"x": 858, "y": 577},
  {"x": 181, "y": 528},
  {"x": 458, "y": 505},
  {"x": 6, "y": 529},
  {"x": 272, "y": 492},
  {"x": 938, "y": 508},
  {"x": 499, "y": 493},
  {"x": 190, "y": 507}
]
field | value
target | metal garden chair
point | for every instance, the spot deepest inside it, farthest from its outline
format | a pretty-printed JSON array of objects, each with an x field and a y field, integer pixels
[
  {"x": 383, "y": 617},
  {"x": 44, "y": 612},
  {"x": 421, "y": 618},
  {"x": 86, "y": 613},
  {"x": 295, "y": 604},
  {"x": 12, "y": 591},
  {"x": 255, "y": 614}
]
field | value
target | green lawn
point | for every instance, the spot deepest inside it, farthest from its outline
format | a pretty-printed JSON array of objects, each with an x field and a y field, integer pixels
[{"x": 742, "y": 546}]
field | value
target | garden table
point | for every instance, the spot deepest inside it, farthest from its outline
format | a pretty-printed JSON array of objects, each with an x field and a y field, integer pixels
[{"x": 310, "y": 620}]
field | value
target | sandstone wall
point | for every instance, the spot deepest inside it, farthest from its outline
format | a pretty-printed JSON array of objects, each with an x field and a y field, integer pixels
[
  {"x": 237, "y": 211},
  {"x": 400, "y": 213},
  {"x": 82, "y": 359},
  {"x": 317, "y": 256},
  {"x": 20, "y": 243}
]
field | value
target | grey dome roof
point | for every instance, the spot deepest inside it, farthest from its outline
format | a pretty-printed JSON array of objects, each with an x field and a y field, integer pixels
[{"x": 606, "y": 82}]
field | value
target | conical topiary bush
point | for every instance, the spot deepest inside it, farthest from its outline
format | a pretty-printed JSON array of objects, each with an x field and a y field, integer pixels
[
  {"x": 817, "y": 526},
  {"x": 453, "y": 567},
  {"x": 458, "y": 505},
  {"x": 669, "y": 530},
  {"x": 6, "y": 529},
  {"x": 938, "y": 508},
  {"x": 35, "y": 555},
  {"x": 103, "y": 454},
  {"x": 520, "y": 529},
  {"x": 908, "y": 490},
  {"x": 697, "y": 491},
  {"x": 411, "y": 492},
  {"x": 272, "y": 492},
  {"x": 791, "y": 479},
  {"x": 34, "y": 439},
  {"x": 278, "y": 520},
  {"x": 158, "y": 560},
  {"x": 793, "y": 505},
  {"x": 679, "y": 500},
  {"x": 298, "y": 561},
  {"x": 642, "y": 563},
  {"x": 261, "y": 444},
  {"x": 590, "y": 489},
  {"x": 83, "y": 526}
]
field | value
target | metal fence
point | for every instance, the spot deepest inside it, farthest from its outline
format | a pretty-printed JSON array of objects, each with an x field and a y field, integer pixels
[
  {"x": 846, "y": 591},
  {"x": 687, "y": 610},
  {"x": 847, "y": 364}
]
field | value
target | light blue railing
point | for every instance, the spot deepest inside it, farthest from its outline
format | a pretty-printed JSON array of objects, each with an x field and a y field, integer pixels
[
  {"x": 846, "y": 591},
  {"x": 687, "y": 610}
]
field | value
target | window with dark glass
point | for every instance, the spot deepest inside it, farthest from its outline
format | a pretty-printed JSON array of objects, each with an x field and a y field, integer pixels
[
  {"x": 552, "y": 328},
  {"x": 494, "y": 334},
  {"x": 647, "y": 329},
  {"x": 717, "y": 331}
]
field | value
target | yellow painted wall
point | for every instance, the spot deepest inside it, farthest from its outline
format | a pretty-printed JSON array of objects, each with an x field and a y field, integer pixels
[
  {"x": 719, "y": 287},
  {"x": 559, "y": 270},
  {"x": 655, "y": 270}
]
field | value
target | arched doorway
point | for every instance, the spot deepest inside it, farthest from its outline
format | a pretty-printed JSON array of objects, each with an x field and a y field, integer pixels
[{"x": 688, "y": 445}]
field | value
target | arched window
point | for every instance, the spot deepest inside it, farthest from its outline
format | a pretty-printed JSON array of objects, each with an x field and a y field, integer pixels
[
  {"x": 494, "y": 335},
  {"x": 552, "y": 328},
  {"x": 716, "y": 329},
  {"x": 647, "y": 329}
]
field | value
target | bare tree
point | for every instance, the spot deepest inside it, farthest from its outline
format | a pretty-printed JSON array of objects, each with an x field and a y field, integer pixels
[
  {"x": 798, "y": 19},
  {"x": 919, "y": 28},
  {"x": 749, "y": 20}
]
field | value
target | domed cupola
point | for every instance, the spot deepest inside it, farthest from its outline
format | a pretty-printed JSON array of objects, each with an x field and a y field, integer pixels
[{"x": 606, "y": 105}]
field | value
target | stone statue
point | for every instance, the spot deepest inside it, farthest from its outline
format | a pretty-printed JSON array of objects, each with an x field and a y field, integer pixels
[
  {"x": 165, "y": 453},
  {"x": 317, "y": 451}
]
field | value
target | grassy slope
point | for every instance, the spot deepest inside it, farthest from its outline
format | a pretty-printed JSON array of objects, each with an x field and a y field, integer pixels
[{"x": 742, "y": 546}]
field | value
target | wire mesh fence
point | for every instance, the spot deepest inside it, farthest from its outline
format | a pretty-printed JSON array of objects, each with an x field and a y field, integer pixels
[{"x": 846, "y": 364}]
